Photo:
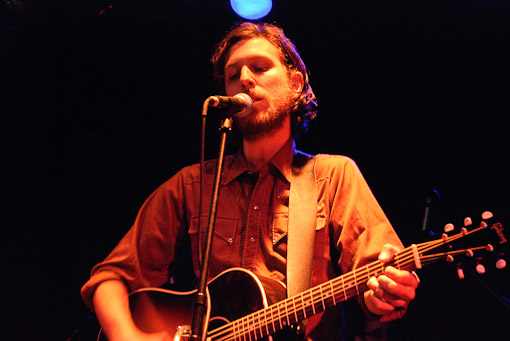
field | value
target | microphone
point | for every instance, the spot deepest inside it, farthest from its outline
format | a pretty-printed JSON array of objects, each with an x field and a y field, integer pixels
[{"x": 239, "y": 105}]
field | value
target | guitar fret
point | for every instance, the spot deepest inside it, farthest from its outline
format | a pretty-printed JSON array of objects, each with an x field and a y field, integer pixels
[
  {"x": 322, "y": 299},
  {"x": 397, "y": 260},
  {"x": 272, "y": 320},
  {"x": 311, "y": 301},
  {"x": 279, "y": 317},
  {"x": 287, "y": 315},
  {"x": 249, "y": 328},
  {"x": 266, "y": 323},
  {"x": 260, "y": 326},
  {"x": 303, "y": 305},
  {"x": 355, "y": 284},
  {"x": 343, "y": 287},
  {"x": 239, "y": 332},
  {"x": 246, "y": 330},
  {"x": 242, "y": 332},
  {"x": 294, "y": 307},
  {"x": 235, "y": 327},
  {"x": 332, "y": 292}
]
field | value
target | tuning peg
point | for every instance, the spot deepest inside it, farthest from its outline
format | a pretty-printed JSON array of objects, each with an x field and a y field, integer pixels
[
  {"x": 460, "y": 272},
  {"x": 480, "y": 268},
  {"x": 500, "y": 263},
  {"x": 444, "y": 237},
  {"x": 448, "y": 228},
  {"x": 487, "y": 215},
  {"x": 468, "y": 221}
]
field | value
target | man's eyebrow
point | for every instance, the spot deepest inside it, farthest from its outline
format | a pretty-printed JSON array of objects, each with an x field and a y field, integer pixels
[
  {"x": 246, "y": 59},
  {"x": 230, "y": 65}
]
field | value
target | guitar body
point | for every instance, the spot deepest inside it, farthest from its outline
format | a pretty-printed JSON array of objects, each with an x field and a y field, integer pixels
[
  {"x": 232, "y": 294},
  {"x": 238, "y": 292}
]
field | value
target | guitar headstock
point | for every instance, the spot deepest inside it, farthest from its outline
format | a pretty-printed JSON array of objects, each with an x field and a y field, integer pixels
[{"x": 479, "y": 244}]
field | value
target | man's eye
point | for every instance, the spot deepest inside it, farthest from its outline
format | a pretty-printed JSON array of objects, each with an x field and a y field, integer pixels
[
  {"x": 260, "y": 68},
  {"x": 233, "y": 76}
]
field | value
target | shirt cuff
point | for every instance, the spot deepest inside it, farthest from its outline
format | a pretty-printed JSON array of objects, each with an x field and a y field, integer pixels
[{"x": 88, "y": 289}]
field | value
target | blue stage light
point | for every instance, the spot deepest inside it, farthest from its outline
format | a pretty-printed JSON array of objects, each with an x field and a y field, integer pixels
[{"x": 251, "y": 9}]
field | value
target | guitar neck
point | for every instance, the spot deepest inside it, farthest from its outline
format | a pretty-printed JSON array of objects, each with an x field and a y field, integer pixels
[{"x": 313, "y": 301}]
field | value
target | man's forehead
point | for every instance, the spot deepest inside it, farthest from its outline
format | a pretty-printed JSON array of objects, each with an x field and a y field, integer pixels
[{"x": 251, "y": 48}]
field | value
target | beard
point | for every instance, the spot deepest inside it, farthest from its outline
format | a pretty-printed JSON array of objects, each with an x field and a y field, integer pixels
[{"x": 263, "y": 123}]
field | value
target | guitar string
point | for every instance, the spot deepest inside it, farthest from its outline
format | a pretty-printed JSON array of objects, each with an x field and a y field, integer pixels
[
  {"x": 406, "y": 258},
  {"x": 249, "y": 326},
  {"x": 372, "y": 268}
]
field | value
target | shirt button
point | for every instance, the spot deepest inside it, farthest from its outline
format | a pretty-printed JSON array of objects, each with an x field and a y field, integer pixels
[
  {"x": 230, "y": 240},
  {"x": 256, "y": 207},
  {"x": 252, "y": 239}
]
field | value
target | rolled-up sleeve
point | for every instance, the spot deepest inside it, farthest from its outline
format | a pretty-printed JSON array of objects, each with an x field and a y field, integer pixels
[
  {"x": 143, "y": 256},
  {"x": 359, "y": 226}
]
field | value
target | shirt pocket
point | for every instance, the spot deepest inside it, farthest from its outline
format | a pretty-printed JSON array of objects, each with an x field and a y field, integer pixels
[
  {"x": 281, "y": 225},
  {"x": 223, "y": 238}
]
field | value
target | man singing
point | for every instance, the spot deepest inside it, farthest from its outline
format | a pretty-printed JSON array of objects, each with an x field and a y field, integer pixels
[{"x": 252, "y": 221}]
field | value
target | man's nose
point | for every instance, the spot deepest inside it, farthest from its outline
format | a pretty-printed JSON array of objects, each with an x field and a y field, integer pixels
[{"x": 246, "y": 78}]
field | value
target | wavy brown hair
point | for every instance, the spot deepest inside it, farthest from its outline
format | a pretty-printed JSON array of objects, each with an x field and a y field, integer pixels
[{"x": 305, "y": 107}]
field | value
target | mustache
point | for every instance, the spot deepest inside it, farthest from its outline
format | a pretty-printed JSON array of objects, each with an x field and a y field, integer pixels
[{"x": 253, "y": 94}]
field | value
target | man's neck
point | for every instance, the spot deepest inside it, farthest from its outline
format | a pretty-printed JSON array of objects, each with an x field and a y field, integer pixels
[{"x": 258, "y": 152}]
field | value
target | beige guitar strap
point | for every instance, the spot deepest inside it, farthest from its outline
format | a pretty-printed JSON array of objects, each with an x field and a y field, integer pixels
[{"x": 302, "y": 223}]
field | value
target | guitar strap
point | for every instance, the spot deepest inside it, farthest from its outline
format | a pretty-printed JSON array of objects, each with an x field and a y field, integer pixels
[{"x": 302, "y": 223}]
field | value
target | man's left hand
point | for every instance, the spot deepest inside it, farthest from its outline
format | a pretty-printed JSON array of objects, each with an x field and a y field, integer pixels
[{"x": 392, "y": 290}]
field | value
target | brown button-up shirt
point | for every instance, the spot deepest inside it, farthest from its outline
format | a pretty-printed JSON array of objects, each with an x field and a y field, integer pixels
[{"x": 251, "y": 223}]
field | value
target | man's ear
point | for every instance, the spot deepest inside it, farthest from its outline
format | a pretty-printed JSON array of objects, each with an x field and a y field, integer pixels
[{"x": 297, "y": 81}]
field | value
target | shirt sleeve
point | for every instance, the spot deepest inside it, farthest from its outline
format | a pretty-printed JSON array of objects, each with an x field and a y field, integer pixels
[
  {"x": 143, "y": 256},
  {"x": 358, "y": 226}
]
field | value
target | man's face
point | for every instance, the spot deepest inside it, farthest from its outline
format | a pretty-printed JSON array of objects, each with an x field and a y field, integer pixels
[{"x": 253, "y": 66}]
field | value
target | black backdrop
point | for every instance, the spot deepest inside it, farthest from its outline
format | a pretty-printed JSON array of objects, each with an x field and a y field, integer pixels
[{"x": 99, "y": 110}]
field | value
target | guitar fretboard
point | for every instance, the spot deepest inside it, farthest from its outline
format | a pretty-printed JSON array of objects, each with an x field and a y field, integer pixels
[{"x": 315, "y": 300}]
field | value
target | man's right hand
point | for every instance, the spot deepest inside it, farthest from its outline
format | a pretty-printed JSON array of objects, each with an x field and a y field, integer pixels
[{"x": 111, "y": 305}]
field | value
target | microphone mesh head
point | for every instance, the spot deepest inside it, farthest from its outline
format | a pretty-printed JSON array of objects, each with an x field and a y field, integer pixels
[{"x": 248, "y": 107}]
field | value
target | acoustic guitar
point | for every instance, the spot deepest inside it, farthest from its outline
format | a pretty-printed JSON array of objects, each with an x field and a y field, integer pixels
[{"x": 239, "y": 304}]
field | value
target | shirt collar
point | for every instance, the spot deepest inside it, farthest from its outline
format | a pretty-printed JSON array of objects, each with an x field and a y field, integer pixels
[{"x": 282, "y": 161}]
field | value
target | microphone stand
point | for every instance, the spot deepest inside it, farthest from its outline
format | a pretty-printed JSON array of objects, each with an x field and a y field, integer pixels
[{"x": 198, "y": 327}]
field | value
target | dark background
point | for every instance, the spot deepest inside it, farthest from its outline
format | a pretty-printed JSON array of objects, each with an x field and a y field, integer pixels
[{"x": 98, "y": 110}]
